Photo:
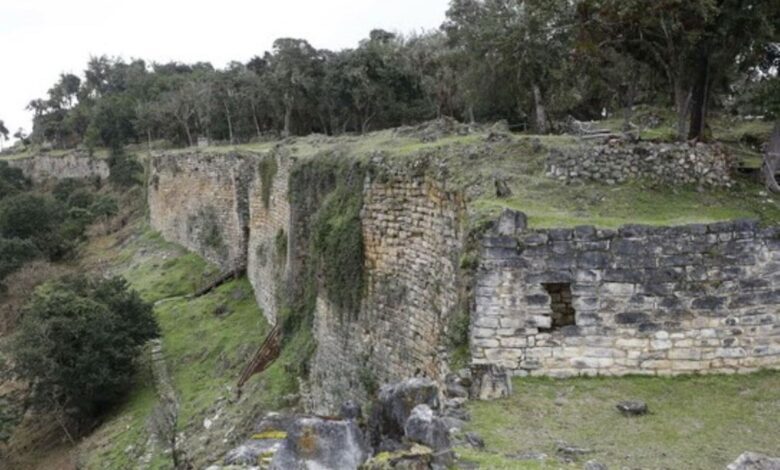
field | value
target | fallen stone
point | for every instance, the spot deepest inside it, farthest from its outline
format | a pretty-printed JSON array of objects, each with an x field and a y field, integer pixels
[
  {"x": 474, "y": 440},
  {"x": 350, "y": 410},
  {"x": 755, "y": 461},
  {"x": 324, "y": 444},
  {"x": 424, "y": 428},
  {"x": 252, "y": 451},
  {"x": 569, "y": 452},
  {"x": 632, "y": 408},
  {"x": 593, "y": 465},
  {"x": 416, "y": 458},
  {"x": 394, "y": 405},
  {"x": 490, "y": 382}
]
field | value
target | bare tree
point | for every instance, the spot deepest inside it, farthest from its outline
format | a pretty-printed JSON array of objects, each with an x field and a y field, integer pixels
[{"x": 771, "y": 165}]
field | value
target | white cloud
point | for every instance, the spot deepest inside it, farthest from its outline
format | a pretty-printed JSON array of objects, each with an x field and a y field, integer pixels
[{"x": 43, "y": 38}]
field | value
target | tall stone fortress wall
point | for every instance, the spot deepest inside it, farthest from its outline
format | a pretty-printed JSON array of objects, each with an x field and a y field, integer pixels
[
  {"x": 648, "y": 300},
  {"x": 200, "y": 202},
  {"x": 41, "y": 168},
  {"x": 413, "y": 230},
  {"x": 638, "y": 300}
]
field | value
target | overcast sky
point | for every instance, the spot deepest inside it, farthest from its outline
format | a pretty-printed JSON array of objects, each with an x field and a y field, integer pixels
[{"x": 43, "y": 38}]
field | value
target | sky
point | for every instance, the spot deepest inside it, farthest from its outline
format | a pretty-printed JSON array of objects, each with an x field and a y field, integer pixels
[{"x": 42, "y": 38}]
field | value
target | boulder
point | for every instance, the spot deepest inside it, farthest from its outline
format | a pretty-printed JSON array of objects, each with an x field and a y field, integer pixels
[
  {"x": 252, "y": 451},
  {"x": 350, "y": 410},
  {"x": 490, "y": 382},
  {"x": 632, "y": 408},
  {"x": 416, "y": 458},
  {"x": 324, "y": 444},
  {"x": 424, "y": 428},
  {"x": 474, "y": 440},
  {"x": 755, "y": 461},
  {"x": 394, "y": 405},
  {"x": 593, "y": 465}
]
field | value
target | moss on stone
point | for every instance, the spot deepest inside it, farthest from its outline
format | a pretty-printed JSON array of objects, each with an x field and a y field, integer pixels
[{"x": 267, "y": 169}]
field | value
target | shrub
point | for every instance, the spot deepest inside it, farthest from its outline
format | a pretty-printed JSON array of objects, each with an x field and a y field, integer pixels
[
  {"x": 12, "y": 180},
  {"x": 77, "y": 342},
  {"x": 35, "y": 217},
  {"x": 14, "y": 253},
  {"x": 65, "y": 187},
  {"x": 125, "y": 171},
  {"x": 81, "y": 198},
  {"x": 104, "y": 207}
]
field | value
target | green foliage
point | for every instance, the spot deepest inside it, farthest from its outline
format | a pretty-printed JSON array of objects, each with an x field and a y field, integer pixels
[
  {"x": 35, "y": 217},
  {"x": 280, "y": 246},
  {"x": 81, "y": 198},
  {"x": 77, "y": 342},
  {"x": 104, "y": 206},
  {"x": 12, "y": 180},
  {"x": 14, "y": 252},
  {"x": 337, "y": 241},
  {"x": 65, "y": 187},
  {"x": 125, "y": 170},
  {"x": 267, "y": 168}
]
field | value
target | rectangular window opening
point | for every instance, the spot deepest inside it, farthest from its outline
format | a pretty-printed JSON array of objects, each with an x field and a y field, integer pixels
[{"x": 563, "y": 313}]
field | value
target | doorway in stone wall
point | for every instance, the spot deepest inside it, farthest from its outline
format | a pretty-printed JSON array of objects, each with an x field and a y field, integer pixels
[{"x": 563, "y": 313}]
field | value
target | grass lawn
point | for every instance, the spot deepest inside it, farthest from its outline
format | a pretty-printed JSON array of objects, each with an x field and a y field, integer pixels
[{"x": 695, "y": 422}]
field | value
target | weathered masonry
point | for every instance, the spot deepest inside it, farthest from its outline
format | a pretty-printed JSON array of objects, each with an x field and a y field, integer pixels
[
  {"x": 637, "y": 300},
  {"x": 257, "y": 211},
  {"x": 648, "y": 300},
  {"x": 43, "y": 167}
]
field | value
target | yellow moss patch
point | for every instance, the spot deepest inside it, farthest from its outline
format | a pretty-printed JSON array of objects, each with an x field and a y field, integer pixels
[{"x": 269, "y": 435}]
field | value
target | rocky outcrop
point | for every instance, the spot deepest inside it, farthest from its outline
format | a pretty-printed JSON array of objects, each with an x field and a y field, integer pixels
[
  {"x": 619, "y": 161},
  {"x": 321, "y": 443},
  {"x": 41, "y": 168}
]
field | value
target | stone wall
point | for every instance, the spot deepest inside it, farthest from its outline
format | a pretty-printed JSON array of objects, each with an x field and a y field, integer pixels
[
  {"x": 269, "y": 228},
  {"x": 619, "y": 161},
  {"x": 646, "y": 300},
  {"x": 413, "y": 236},
  {"x": 201, "y": 203},
  {"x": 43, "y": 167}
]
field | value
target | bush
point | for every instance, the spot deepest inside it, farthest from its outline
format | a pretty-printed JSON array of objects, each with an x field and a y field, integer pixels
[
  {"x": 12, "y": 180},
  {"x": 65, "y": 187},
  {"x": 125, "y": 171},
  {"x": 14, "y": 253},
  {"x": 77, "y": 342},
  {"x": 81, "y": 198},
  {"x": 35, "y": 217}
]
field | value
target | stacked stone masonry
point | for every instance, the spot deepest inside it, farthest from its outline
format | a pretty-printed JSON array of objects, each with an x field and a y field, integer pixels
[
  {"x": 647, "y": 300},
  {"x": 413, "y": 239},
  {"x": 412, "y": 230},
  {"x": 43, "y": 167},
  {"x": 200, "y": 203},
  {"x": 269, "y": 227},
  {"x": 619, "y": 161}
]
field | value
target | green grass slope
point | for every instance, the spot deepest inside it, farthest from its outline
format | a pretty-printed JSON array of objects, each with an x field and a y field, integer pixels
[{"x": 695, "y": 422}]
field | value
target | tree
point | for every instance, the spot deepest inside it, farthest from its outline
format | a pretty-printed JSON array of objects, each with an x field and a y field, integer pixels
[
  {"x": 35, "y": 217},
  {"x": 294, "y": 71},
  {"x": 3, "y": 133},
  {"x": 124, "y": 169},
  {"x": 77, "y": 341}
]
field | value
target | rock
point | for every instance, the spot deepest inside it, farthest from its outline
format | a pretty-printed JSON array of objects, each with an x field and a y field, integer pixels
[
  {"x": 755, "y": 461},
  {"x": 252, "y": 451},
  {"x": 569, "y": 452},
  {"x": 593, "y": 465},
  {"x": 424, "y": 428},
  {"x": 320, "y": 443},
  {"x": 502, "y": 188},
  {"x": 474, "y": 440},
  {"x": 416, "y": 458},
  {"x": 454, "y": 390},
  {"x": 350, "y": 410},
  {"x": 394, "y": 405},
  {"x": 490, "y": 382},
  {"x": 512, "y": 222},
  {"x": 632, "y": 408}
]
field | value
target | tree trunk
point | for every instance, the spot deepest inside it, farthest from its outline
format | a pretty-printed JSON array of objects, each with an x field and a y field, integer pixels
[
  {"x": 189, "y": 134},
  {"x": 229, "y": 121},
  {"x": 701, "y": 88},
  {"x": 287, "y": 120},
  {"x": 472, "y": 120},
  {"x": 682, "y": 102},
  {"x": 540, "y": 115},
  {"x": 254, "y": 117},
  {"x": 771, "y": 163}
]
